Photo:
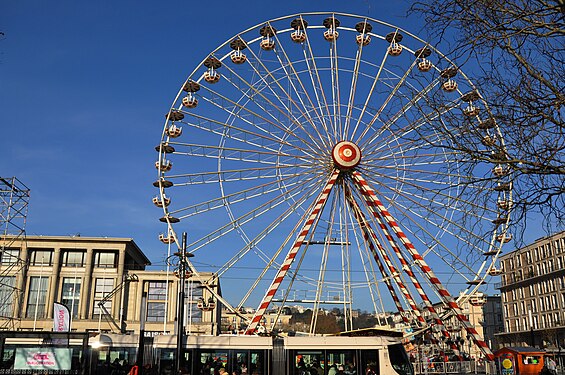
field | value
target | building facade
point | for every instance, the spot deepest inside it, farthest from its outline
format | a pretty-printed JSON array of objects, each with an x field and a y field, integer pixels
[
  {"x": 533, "y": 294},
  {"x": 101, "y": 281}
]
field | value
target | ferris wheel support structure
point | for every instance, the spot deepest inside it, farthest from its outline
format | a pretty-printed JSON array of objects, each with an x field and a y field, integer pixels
[{"x": 378, "y": 209}]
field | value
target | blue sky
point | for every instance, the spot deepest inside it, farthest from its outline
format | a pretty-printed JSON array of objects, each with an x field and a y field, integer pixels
[
  {"x": 84, "y": 87},
  {"x": 83, "y": 90}
]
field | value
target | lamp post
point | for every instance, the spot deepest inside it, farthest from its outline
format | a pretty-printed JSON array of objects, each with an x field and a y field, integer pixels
[{"x": 183, "y": 267}]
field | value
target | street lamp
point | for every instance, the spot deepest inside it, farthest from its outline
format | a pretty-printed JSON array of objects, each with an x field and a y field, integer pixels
[{"x": 183, "y": 268}]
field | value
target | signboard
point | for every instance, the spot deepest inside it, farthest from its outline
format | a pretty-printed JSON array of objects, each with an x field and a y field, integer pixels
[{"x": 43, "y": 359}]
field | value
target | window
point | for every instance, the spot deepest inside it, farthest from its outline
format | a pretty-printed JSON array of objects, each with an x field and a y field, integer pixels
[
  {"x": 193, "y": 292},
  {"x": 156, "y": 297},
  {"x": 102, "y": 287},
  {"x": 105, "y": 259},
  {"x": 155, "y": 311},
  {"x": 37, "y": 297},
  {"x": 7, "y": 295},
  {"x": 9, "y": 256},
  {"x": 73, "y": 259},
  {"x": 70, "y": 295},
  {"x": 399, "y": 360},
  {"x": 41, "y": 257}
]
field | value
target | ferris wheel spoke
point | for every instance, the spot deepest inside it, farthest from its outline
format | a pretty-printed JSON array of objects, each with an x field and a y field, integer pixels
[
  {"x": 223, "y": 103},
  {"x": 398, "y": 138},
  {"x": 311, "y": 189},
  {"x": 376, "y": 79},
  {"x": 353, "y": 90},
  {"x": 391, "y": 95},
  {"x": 434, "y": 114},
  {"x": 370, "y": 274},
  {"x": 405, "y": 169},
  {"x": 245, "y": 218},
  {"x": 313, "y": 107},
  {"x": 438, "y": 198},
  {"x": 272, "y": 263},
  {"x": 312, "y": 218},
  {"x": 287, "y": 96},
  {"x": 431, "y": 208},
  {"x": 235, "y": 175},
  {"x": 239, "y": 154},
  {"x": 317, "y": 85},
  {"x": 410, "y": 214},
  {"x": 336, "y": 94},
  {"x": 245, "y": 136},
  {"x": 237, "y": 197}
]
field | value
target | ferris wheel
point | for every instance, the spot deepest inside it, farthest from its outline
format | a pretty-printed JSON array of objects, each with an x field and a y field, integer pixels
[{"x": 315, "y": 159}]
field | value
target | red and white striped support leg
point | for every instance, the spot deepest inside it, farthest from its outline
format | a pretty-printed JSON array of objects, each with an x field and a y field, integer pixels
[
  {"x": 283, "y": 270},
  {"x": 437, "y": 320},
  {"x": 370, "y": 236},
  {"x": 405, "y": 267},
  {"x": 375, "y": 203}
]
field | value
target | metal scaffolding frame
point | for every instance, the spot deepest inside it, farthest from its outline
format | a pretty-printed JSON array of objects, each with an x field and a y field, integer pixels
[{"x": 14, "y": 200}]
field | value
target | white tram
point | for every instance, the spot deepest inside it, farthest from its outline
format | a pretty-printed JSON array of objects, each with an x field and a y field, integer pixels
[{"x": 382, "y": 353}]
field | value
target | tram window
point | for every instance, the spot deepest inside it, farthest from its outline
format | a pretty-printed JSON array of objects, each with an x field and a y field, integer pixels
[
  {"x": 212, "y": 361},
  {"x": 370, "y": 362},
  {"x": 106, "y": 360},
  {"x": 340, "y": 362},
  {"x": 241, "y": 362},
  {"x": 257, "y": 366},
  {"x": 306, "y": 361},
  {"x": 166, "y": 361},
  {"x": 399, "y": 360}
]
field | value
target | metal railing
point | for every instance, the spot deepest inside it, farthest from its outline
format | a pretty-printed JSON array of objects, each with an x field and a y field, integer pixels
[{"x": 455, "y": 367}]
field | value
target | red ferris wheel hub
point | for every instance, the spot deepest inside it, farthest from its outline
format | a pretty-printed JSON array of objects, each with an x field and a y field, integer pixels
[{"x": 346, "y": 155}]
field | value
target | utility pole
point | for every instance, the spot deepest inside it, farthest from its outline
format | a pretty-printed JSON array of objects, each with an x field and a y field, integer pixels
[{"x": 183, "y": 267}]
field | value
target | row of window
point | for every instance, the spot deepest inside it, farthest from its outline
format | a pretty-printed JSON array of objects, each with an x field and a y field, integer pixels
[
  {"x": 535, "y": 290},
  {"x": 540, "y": 253},
  {"x": 71, "y": 293},
  {"x": 544, "y": 321},
  {"x": 545, "y": 304},
  {"x": 71, "y": 258}
]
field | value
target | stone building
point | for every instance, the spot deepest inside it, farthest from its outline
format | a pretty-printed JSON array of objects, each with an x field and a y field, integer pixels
[
  {"x": 101, "y": 281},
  {"x": 533, "y": 294}
]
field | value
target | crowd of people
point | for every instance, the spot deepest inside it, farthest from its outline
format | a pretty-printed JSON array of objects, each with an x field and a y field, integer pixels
[{"x": 347, "y": 368}]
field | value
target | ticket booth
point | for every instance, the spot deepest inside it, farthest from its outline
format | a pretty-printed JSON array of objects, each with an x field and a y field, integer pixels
[{"x": 519, "y": 360}]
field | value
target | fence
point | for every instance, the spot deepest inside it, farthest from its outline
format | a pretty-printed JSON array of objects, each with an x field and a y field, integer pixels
[{"x": 457, "y": 367}]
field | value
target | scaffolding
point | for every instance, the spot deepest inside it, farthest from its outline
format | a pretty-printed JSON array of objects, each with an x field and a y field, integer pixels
[{"x": 14, "y": 199}]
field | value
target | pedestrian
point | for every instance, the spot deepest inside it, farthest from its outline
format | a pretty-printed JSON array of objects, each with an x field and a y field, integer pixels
[{"x": 551, "y": 366}]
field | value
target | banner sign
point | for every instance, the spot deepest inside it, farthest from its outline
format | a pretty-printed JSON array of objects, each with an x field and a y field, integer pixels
[
  {"x": 61, "y": 318},
  {"x": 43, "y": 359}
]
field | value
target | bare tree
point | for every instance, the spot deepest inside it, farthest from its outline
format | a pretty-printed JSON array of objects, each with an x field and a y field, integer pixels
[{"x": 514, "y": 51}]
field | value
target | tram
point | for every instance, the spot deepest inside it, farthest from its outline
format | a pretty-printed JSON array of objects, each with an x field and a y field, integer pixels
[{"x": 350, "y": 354}]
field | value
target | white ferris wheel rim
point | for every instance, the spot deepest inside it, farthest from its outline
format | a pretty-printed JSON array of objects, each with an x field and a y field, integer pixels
[{"x": 350, "y": 158}]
